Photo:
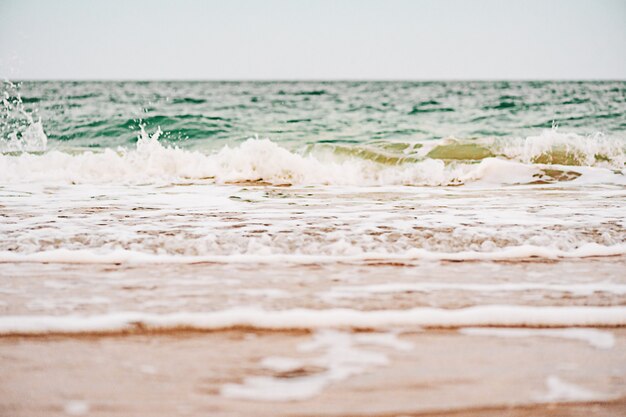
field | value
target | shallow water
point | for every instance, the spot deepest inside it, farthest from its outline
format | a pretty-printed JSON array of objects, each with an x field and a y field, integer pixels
[{"x": 227, "y": 223}]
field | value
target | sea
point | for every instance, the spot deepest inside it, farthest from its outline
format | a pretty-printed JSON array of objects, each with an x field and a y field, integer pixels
[{"x": 133, "y": 206}]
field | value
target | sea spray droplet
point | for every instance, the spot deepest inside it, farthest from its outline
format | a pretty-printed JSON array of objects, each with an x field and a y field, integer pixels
[{"x": 19, "y": 132}]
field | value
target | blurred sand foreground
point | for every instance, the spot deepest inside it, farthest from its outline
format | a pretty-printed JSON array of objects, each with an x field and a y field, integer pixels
[
  {"x": 396, "y": 371},
  {"x": 183, "y": 373}
]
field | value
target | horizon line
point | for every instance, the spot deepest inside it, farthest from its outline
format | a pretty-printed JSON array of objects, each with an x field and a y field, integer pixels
[{"x": 314, "y": 80}]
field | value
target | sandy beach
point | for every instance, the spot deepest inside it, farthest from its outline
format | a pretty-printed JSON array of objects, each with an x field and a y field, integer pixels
[
  {"x": 184, "y": 373},
  {"x": 395, "y": 370}
]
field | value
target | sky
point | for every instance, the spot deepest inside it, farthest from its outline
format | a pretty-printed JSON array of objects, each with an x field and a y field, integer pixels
[{"x": 314, "y": 39}]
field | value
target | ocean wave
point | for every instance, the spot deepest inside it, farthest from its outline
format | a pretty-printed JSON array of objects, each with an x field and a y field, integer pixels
[
  {"x": 549, "y": 157},
  {"x": 551, "y": 147}
]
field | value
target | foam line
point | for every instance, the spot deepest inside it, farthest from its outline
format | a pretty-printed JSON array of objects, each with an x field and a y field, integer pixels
[
  {"x": 87, "y": 256},
  {"x": 489, "y": 315},
  {"x": 573, "y": 288}
]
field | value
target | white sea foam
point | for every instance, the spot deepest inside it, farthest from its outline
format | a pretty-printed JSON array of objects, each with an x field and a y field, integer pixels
[
  {"x": 488, "y": 315},
  {"x": 118, "y": 256},
  {"x": 264, "y": 388},
  {"x": 390, "y": 288},
  {"x": 586, "y": 149},
  {"x": 383, "y": 339},
  {"x": 19, "y": 132},
  {"x": 31, "y": 139},
  {"x": 265, "y": 161},
  {"x": 342, "y": 358},
  {"x": 597, "y": 338},
  {"x": 133, "y": 208},
  {"x": 281, "y": 364},
  {"x": 208, "y": 223},
  {"x": 254, "y": 160},
  {"x": 561, "y": 391}
]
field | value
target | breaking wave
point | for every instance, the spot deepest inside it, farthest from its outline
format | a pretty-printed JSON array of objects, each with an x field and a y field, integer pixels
[{"x": 551, "y": 156}]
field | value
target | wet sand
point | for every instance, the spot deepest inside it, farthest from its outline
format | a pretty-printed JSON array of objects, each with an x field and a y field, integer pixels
[
  {"x": 403, "y": 371},
  {"x": 181, "y": 373}
]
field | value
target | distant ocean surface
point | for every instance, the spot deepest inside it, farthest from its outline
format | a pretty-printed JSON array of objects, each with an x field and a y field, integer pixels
[{"x": 209, "y": 115}]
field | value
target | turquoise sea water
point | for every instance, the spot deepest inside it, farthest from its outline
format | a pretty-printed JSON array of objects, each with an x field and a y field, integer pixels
[{"x": 208, "y": 115}]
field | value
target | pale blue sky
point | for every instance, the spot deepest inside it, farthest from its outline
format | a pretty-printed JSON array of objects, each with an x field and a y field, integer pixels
[{"x": 315, "y": 39}]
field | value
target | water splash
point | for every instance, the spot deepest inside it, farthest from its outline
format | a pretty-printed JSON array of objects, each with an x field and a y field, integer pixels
[{"x": 19, "y": 132}]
